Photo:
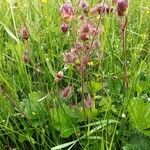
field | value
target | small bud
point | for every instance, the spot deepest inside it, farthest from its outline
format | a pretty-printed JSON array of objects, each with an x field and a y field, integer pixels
[
  {"x": 122, "y": 7},
  {"x": 67, "y": 91},
  {"x": 59, "y": 76},
  {"x": 24, "y": 34},
  {"x": 64, "y": 27},
  {"x": 66, "y": 11}
]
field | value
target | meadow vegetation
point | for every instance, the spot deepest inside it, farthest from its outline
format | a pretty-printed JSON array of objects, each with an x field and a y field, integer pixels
[{"x": 74, "y": 75}]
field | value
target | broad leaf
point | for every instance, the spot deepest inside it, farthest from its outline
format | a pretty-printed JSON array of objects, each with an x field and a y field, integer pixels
[{"x": 139, "y": 112}]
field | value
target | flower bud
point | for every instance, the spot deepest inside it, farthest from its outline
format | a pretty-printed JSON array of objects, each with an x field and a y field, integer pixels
[
  {"x": 122, "y": 7},
  {"x": 24, "y": 34},
  {"x": 64, "y": 28}
]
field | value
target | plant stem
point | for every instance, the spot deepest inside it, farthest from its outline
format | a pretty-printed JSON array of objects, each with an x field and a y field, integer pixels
[{"x": 123, "y": 33}]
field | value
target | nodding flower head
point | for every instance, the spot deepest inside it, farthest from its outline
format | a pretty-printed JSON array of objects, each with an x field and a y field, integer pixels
[
  {"x": 59, "y": 76},
  {"x": 24, "y": 34},
  {"x": 66, "y": 10},
  {"x": 67, "y": 91},
  {"x": 122, "y": 7},
  {"x": 64, "y": 28}
]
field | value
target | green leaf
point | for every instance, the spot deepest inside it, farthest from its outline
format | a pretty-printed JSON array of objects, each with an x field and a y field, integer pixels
[
  {"x": 96, "y": 86},
  {"x": 138, "y": 142},
  {"x": 33, "y": 108},
  {"x": 9, "y": 32},
  {"x": 63, "y": 122},
  {"x": 139, "y": 113},
  {"x": 64, "y": 145}
]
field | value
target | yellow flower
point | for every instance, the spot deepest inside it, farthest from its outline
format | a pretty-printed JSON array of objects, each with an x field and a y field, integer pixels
[{"x": 44, "y": 1}]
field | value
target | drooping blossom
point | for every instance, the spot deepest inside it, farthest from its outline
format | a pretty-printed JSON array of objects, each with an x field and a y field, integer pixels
[
  {"x": 122, "y": 7},
  {"x": 67, "y": 91},
  {"x": 66, "y": 10}
]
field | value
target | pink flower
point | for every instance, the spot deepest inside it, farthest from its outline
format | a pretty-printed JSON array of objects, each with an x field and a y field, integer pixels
[
  {"x": 122, "y": 7},
  {"x": 66, "y": 10},
  {"x": 67, "y": 91}
]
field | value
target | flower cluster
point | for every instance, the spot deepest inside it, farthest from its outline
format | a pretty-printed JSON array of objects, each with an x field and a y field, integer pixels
[{"x": 87, "y": 31}]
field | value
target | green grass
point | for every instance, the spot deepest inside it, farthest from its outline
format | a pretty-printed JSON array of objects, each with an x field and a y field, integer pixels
[{"x": 33, "y": 115}]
